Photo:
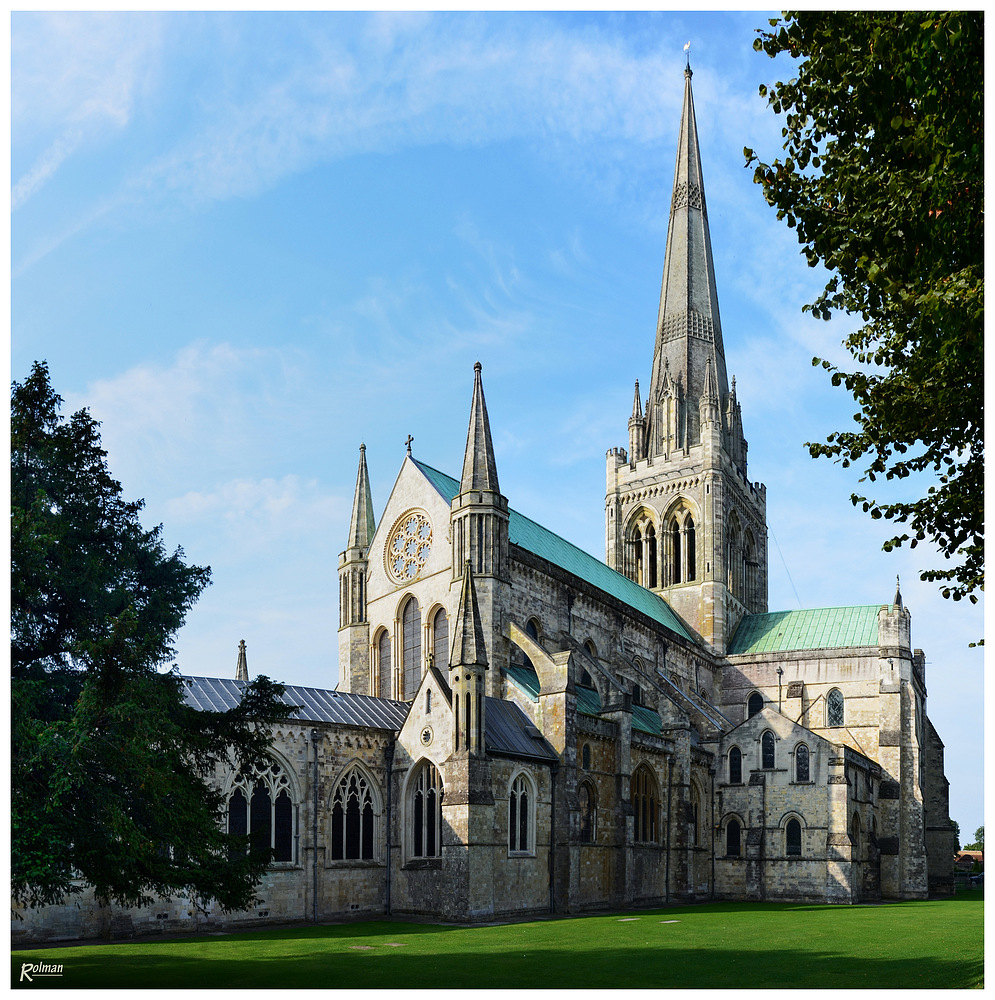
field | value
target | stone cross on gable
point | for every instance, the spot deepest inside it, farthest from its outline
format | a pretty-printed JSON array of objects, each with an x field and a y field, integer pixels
[{"x": 408, "y": 443}]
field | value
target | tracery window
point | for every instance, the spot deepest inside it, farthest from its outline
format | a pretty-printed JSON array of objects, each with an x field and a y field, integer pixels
[
  {"x": 793, "y": 838},
  {"x": 642, "y": 561},
  {"x": 767, "y": 750},
  {"x": 355, "y": 816},
  {"x": 834, "y": 708},
  {"x": 411, "y": 648},
  {"x": 409, "y": 546},
  {"x": 263, "y": 808},
  {"x": 754, "y": 704},
  {"x": 521, "y": 816},
  {"x": 735, "y": 766},
  {"x": 587, "y": 799},
  {"x": 733, "y": 830},
  {"x": 645, "y": 805},
  {"x": 801, "y": 763},
  {"x": 425, "y": 805}
]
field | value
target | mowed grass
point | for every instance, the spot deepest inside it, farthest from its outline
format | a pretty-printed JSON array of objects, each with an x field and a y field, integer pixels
[{"x": 932, "y": 944}]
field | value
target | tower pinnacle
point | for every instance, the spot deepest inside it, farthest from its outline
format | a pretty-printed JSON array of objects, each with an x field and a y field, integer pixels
[
  {"x": 363, "y": 523},
  {"x": 479, "y": 465}
]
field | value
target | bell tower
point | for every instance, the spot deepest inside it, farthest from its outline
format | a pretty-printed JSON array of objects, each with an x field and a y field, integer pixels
[{"x": 681, "y": 515}]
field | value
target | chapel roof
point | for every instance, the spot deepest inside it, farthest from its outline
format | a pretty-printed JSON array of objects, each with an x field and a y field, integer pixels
[
  {"x": 816, "y": 628},
  {"x": 508, "y": 730},
  {"x": 540, "y": 541}
]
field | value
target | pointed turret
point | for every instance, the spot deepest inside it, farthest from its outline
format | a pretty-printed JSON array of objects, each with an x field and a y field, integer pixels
[
  {"x": 242, "y": 667},
  {"x": 689, "y": 332},
  {"x": 353, "y": 569},
  {"x": 466, "y": 672},
  {"x": 363, "y": 523},
  {"x": 479, "y": 466},
  {"x": 637, "y": 428}
]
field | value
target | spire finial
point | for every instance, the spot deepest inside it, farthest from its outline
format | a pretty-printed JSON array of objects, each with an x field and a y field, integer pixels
[
  {"x": 479, "y": 465},
  {"x": 898, "y": 592},
  {"x": 363, "y": 523},
  {"x": 242, "y": 668},
  {"x": 687, "y": 52}
]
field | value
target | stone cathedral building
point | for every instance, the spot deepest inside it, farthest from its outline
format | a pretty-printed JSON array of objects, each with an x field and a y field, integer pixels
[{"x": 520, "y": 728}]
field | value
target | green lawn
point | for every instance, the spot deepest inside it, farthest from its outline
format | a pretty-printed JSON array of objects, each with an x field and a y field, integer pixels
[{"x": 935, "y": 944}]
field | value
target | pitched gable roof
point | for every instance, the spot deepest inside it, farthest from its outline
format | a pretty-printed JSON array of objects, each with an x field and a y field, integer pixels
[
  {"x": 818, "y": 628},
  {"x": 534, "y": 538}
]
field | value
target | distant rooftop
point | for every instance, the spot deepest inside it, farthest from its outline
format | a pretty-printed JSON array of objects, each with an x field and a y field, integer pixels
[
  {"x": 533, "y": 537},
  {"x": 818, "y": 628}
]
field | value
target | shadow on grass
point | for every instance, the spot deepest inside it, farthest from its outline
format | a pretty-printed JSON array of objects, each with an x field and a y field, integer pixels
[{"x": 731, "y": 945}]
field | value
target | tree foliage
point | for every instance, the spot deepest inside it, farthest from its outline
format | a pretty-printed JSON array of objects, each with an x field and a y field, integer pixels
[
  {"x": 110, "y": 768},
  {"x": 979, "y": 841},
  {"x": 883, "y": 182}
]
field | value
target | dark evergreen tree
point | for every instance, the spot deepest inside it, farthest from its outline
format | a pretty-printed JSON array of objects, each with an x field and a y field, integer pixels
[{"x": 110, "y": 768}]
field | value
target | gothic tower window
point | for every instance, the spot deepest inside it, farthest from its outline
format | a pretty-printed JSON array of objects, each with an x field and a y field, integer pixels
[
  {"x": 645, "y": 801},
  {"x": 767, "y": 751},
  {"x": 834, "y": 708},
  {"x": 355, "y": 813},
  {"x": 425, "y": 810},
  {"x": 411, "y": 648},
  {"x": 749, "y": 569},
  {"x": 383, "y": 664},
  {"x": 689, "y": 546},
  {"x": 440, "y": 640},
  {"x": 734, "y": 558},
  {"x": 733, "y": 829},
  {"x": 793, "y": 838},
  {"x": 521, "y": 816},
  {"x": 642, "y": 561},
  {"x": 650, "y": 543},
  {"x": 587, "y": 799},
  {"x": 801, "y": 763},
  {"x": 735, "y": 766},
  {"x": 264, "y": 807},
  {"x": 755, "y": 704},
  {"x": 675, "y": 551}
]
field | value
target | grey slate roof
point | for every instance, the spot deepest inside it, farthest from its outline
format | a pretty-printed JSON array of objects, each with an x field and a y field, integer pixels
[
  {"x": 218, "y": 694},
  {"x": 509, "y": 731}
]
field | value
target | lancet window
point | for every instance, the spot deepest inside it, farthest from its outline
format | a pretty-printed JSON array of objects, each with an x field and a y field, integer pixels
[
  {"x": 411, "y": 648},
  {"x": 645, "y": 804}
]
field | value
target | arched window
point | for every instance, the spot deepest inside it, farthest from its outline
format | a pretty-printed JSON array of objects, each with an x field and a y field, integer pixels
[
  {"x": 440, "y": 640},
  {"x": 585, "y": 757},
  {"x": 767, "y": 750},
  {"x": 734, "y": 557},
  {"x": 675, "y": 551},
  {"x": 749, "y": 568},
  {"x": 801, "y": 763},
  {"x": 355, "y": 815},
  {"x": 834, "y": 708},
  {"x": 587, "y": 799},
  {"x": 645, "y": 802},
  {"x": 692, "y": 571},
  {"x": 521, "y": 816},
  {"x": 383, "y": 661},
  {"x": 637, "y": 694},
  {"x": 755, "y": 704},
  {"x": 735, "y": 766},
  {"x": 855, "y": 837},
  {"x": 411, "y": 648},
  {"x": 650, "y": 543},
  {"x": 263, "y": 808},
  {"x": 425, "y": 810},
  {"x": 694, "y": 814},
  {"x": 793, "y": 838},
  {"x": 733, "y": 839}
]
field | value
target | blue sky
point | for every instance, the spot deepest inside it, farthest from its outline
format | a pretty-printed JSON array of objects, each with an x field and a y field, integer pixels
[{"x": 248, "y": 242}]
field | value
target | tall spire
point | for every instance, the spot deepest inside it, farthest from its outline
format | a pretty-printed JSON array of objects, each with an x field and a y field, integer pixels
[
  {"x": 637, "y": 406},
  {"x": 468, "y": 640},
  {"x": 363, "y": 523},
  {"x": 689, "y": 332},
  {"x": 242, "y": 667},
  {"x": 479, "y": 466}
]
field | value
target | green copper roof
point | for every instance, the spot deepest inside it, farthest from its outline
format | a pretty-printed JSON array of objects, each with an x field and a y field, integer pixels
[
  {"x": 820, "y": 628},
  {"x": 525, "y": 678},
  {"x": 536, "y": 539}
]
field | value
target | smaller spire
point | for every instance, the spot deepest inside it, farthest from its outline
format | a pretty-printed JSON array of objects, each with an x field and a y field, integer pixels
[
  {"x": 468, "y": 639},
  {"x": 710, "y": 392},
  {"x": 898, "y": 592},
  {"x": 242, "y": 669},
  {"x": 363, "y": 524},
  {"x": 637, "y": 406},
  {"x": 479, "y": 464}
]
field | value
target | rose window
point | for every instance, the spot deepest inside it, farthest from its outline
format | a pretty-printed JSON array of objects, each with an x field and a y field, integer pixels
[{"x": 409, "y": 546}]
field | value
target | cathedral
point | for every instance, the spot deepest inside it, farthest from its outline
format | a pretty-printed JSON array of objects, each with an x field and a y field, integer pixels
[{"x": 521, "y": 729}]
